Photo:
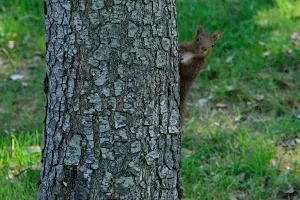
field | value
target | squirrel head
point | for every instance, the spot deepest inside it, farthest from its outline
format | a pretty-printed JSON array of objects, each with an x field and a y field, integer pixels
[{"x": 204, "y": 42}]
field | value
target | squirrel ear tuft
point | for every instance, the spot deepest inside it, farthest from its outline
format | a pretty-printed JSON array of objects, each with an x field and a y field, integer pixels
[
  {"x": 200, "y": 29},
  {"x": 216, "y": 35}
]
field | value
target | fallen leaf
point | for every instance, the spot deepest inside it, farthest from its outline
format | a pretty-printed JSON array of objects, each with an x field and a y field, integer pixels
[
  {"x": 11, "y": 44},
  {"x": 221, "y": 105},
  {"x": 290, "y": 191},
  {"x": 34, "y": 149},
  {"x": 186, "y": 152},
  {"x": 261, "y": 43},
  {"x": 11, "y": 176},
  {"x": 237, "y": 194},
  {"x": 36, "y": 166},
  {"x": 232, "y": 197},
  {"x": 263, "y": 75},
  {"x": 229, "y": 59},
  {"x": 202, "y": 102},
  {"x": 217, "y": 123},
  {"x": 38, "y": 53},
  {"x": 242, "y": 176},
  {"x": 266, "y": 53},
  {"x": 229, "y": 88},
  {"x": 273, "y": 162},
  {"x": 16, "y": 77},
  {"x": 259, "y": 97},
  {"x": 12, "y": 173},
  {"x": 25, "y": 84},
  {"x": 294, "y": 36},
  {"x": 237, "y": 118}
]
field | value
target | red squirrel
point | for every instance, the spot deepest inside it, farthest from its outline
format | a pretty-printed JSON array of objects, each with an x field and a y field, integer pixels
[{"x": 192, "y": 57}]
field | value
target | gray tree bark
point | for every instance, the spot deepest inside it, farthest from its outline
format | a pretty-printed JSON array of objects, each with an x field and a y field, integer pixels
[{"x": 112, "y": 112}]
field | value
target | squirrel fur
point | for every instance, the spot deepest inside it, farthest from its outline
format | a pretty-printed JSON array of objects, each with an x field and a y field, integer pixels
[{"x": 192, "y": 57}]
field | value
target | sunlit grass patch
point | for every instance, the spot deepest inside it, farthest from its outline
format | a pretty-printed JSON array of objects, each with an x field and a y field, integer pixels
[
  {"x": 22, "y": 23},
  {"x": 282, "y": 11},
  {"x": 20, "y": 165}
]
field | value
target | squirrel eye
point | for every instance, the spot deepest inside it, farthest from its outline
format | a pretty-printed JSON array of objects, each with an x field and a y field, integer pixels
[
  {"x": 197, "y": 39},
  {"x": 212, "y": 46}
]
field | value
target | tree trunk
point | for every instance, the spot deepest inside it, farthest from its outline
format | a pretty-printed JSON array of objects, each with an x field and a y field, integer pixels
[{"x": 112, "y": 117}]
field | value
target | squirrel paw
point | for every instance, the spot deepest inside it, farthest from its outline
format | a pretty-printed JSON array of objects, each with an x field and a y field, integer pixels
[{"x": 180, "y": 58}]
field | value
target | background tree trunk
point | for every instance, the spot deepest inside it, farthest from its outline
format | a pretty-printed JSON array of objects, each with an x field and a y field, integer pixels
[{"x": 112, "y": 119}]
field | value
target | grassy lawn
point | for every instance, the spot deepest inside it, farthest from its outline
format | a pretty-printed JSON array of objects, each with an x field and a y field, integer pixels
[{"x": 241, "y": 138}]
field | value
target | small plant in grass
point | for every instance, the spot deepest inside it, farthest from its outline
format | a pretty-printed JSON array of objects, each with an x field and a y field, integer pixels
[{"x": 20, "y": 165}]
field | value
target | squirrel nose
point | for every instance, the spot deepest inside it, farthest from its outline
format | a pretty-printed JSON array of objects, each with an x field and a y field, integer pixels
[{"x": 204, "y": 49}]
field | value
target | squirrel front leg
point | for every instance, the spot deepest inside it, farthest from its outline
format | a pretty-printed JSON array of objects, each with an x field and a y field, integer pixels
[
  {"x": 191, "y": 58},
  {"x": 180, "y": 58}
]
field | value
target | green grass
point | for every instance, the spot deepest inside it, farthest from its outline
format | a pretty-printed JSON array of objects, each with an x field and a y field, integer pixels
[
  {"x": 248, "y": 150},
  {"x": 21, "y": 107},
  {"x": 249, "y": 158},
  {"x": 19, "y": 164}
]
